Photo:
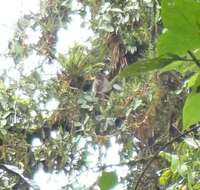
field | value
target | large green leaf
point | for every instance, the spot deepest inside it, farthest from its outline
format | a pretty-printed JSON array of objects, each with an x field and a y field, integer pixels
[
  {"x": 191, "y": 110},
  {"x": 107, "y": 180},
  {"x": 147, "y": 65},
  {"x": 180, "y": 66},
  {"x": 192, "y": 80},
  {"x": 182, "y": 21}
]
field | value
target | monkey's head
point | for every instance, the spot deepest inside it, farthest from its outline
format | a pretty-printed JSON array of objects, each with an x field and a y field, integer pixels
[{"x": 100, "y": 76}]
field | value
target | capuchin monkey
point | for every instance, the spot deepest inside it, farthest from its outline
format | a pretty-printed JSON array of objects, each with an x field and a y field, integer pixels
[{"x": 101, "y": 86}]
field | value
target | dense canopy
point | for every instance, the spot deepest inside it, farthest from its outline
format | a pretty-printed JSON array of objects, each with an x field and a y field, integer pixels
[{"x": 120, "y": 111}]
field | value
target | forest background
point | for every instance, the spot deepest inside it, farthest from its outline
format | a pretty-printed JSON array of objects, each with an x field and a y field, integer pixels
[{"x": 143, "y": 111}]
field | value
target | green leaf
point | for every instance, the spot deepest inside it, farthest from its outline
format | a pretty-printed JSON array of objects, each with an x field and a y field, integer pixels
[
  {"x": 196, "y": 86},
  {"x": 137, "y": 104},
  {"x": 3, "y": 132},
  {"x": 6, "y": 114},
  {"x": 147, "y": 65},
  {"x": 90, "y": 98},
  {"x": 169, "y": 157},
  {"x": 179, "y": 66},
  {"x": 165, "y": 177},
  {"x": 191, "y": 114},
  {"x": 107, "y": 28},
  {"x": 117, "y": 10},
  {"x": 192, "y": 80},
  {"x": 81, "y": 101},
  {"x": 3, "y": 122},
  {"x": 176, "y": 165},
  {"x": 107, "y": 180},
  {"x": 85, "y": 106},
  {"x": 182, "y": 20}
]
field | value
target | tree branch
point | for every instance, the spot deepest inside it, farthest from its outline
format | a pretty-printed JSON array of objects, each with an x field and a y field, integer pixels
[
  {"x": 129, "y": 163},
  {"x": 194, "y": 58},
  {"x": 17, "y": 172},
  {"x": 162, "y": 148}
]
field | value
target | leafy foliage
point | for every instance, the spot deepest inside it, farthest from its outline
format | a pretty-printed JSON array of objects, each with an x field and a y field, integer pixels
[{"x": 144, "y": 110}]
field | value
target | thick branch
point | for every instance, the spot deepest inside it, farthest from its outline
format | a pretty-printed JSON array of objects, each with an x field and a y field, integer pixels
[{"x": 162, "y": 148}]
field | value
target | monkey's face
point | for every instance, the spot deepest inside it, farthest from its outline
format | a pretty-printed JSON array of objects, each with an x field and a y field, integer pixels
[
  {"x": 101, "y": 84},
  {"x": 100, "y": 76}
]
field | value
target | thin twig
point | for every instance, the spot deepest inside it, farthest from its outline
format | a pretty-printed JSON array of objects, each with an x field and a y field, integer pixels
[
  {"x": 162, "y": 148},
  {"x": 194, "y": 58},
  {"x": 129, "y": 163}
]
